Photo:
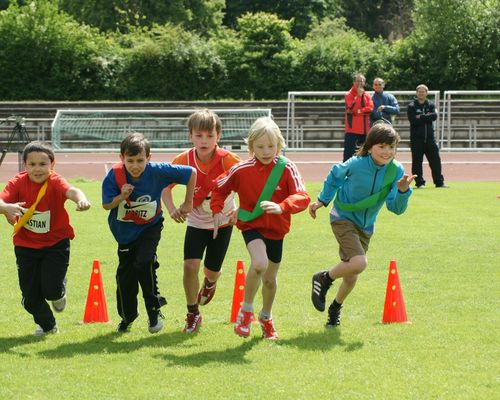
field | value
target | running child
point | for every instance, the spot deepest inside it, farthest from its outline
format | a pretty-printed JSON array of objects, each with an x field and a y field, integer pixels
[
  {"x": 270, "y": 190},
  {"x": 210, "y": 161},
  {"x": 132, "y": 192},
  {"x": 42, "y": 233},
  {"x": 359, "y": 188}
]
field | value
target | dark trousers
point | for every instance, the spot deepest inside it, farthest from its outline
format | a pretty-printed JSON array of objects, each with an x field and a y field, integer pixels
[
  {"x": 138, "y": 266},
  {"x": 351, "y": 144},
  {"x": 42, "y": 274},
  {"x": 427, "y": 146}
]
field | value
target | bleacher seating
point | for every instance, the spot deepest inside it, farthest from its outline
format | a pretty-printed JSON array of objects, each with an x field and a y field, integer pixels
[{"x": 475, "y": 123}]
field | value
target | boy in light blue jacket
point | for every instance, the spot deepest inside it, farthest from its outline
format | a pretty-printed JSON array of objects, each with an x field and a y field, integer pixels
[{"x": 359, "y": 188}]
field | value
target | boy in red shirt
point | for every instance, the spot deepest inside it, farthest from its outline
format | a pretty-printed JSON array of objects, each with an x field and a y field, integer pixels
[
  {"x": 42, "y": 235},
  {"x": 270, "y": 190},
  {"x": 209, "y": 161}
]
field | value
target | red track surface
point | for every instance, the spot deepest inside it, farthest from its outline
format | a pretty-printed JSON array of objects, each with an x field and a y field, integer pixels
[{"x": 466, "y": 167}]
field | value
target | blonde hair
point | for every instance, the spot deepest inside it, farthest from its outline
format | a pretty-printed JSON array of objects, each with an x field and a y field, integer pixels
[
  {"x": 204, "y": 120},
  {"x": 265, "y": 126},
  {"x": 422, "y": 86}
]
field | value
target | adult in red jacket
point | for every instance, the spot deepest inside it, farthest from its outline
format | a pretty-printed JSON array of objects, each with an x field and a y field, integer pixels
[{"x": 358, "y": 107}]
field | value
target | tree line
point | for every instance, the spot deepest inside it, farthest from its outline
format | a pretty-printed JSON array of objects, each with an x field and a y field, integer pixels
[{"x": 199, "y": 49}]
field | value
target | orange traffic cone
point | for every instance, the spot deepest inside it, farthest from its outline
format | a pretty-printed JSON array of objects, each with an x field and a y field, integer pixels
[
  {"x": 394, "y": 307},
  {"x": 239, "y": 290},
  {"x": 96, "y": 309}
]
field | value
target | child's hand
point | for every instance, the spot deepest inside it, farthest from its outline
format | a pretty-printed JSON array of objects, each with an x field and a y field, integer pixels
[
  {"x": 233, "y": 216},
  {"x": 218, "y": 220},
  {"x": 404, "y": 182},
  {"x": 271, "y": 207},
  {"x": 82, "y": 205},
  {"x": 313, "y": 207},
  {"x": 14, "y": 210},
  {"x": 127, "y": 190},
  {"x": 185, "y": 208},
  {"x": 178, "y": 216}
]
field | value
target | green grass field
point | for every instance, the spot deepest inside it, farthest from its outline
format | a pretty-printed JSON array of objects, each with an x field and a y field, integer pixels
[{"x": 447, "y": 251}]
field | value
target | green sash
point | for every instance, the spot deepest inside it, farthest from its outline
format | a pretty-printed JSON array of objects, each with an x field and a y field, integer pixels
[
  {"x": 370, "y": 201},
  {"x": 267, "y": 192}
]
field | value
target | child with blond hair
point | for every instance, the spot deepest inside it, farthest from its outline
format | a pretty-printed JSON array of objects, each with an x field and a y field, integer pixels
[{"x": 270, "y": 190}]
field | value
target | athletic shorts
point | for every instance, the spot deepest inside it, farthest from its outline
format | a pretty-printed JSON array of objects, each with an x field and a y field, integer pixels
[
  {"x": 274, "y": 248},
  {"x": 352, "y": 240},
  {"x": 197, "y": 240}
]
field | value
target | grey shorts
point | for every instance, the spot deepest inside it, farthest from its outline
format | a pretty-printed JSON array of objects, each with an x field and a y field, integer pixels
[{"x": 353, "y": 241}]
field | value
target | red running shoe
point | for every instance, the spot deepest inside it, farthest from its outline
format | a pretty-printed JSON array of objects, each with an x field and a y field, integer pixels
[
  {"x": 193, "y": 323},
  {"x": 243, "y": 323},
  {"x": 268, "y": 330},
  {"x": 206, "y": 293}
]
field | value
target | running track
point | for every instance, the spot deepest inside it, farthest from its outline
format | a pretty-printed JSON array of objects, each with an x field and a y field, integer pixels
[{"x": 457, "y": 166}]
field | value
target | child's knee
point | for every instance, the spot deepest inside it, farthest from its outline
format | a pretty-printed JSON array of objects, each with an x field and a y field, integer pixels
[
  {"x": 259, "y": 265},
  {"x": 358, "y": 264},
  {"x": 270, "y": 282}
]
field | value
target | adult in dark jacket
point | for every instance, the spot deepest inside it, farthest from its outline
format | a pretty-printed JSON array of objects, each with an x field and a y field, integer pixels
[
  {"x": 358, "y": 106},
  {"x": 421, "y": 114}
]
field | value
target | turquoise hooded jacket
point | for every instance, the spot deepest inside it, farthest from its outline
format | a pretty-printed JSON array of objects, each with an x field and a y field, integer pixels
[{"x": 356, "y": 179}]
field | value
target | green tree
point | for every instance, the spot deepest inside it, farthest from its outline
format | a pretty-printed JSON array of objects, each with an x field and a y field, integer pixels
[
  {"x": 455, "y": 45},
  {"x": 168, "y": 63},
  {"x": 47, "y": 55},
  {"x": 333, "y": 52},
  {"x": 203, "y": 16},
  {"x": 303, "y": 13},
  {"x": 260, "y": 57},
  {"x": 390, "y": 19}
]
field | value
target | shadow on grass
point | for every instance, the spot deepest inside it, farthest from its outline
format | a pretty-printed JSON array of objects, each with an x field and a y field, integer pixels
[
  {"x": 106, "y": 344},
  {"x": 235, "y": 355},
  {"x": 322, "y": 340},
  {"x": 7, "y": 344}
]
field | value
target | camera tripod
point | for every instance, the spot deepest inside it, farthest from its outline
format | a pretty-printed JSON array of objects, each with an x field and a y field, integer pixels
[{"x": 17, "y": 140}]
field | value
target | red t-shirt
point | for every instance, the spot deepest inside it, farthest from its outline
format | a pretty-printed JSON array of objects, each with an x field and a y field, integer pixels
[{"x": 50, "y": 222}]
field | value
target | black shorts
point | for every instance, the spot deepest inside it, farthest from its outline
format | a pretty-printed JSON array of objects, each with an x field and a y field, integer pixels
[
  {"x": 274, "y": 248},
  {"x": 197, "y": 240}
]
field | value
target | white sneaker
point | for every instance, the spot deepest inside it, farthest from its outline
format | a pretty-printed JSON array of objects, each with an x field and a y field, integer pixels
[
  {"x": 156, "y": 322},
  {"x": 59, "y": 305},
  {"x": 40, "y": 332}
]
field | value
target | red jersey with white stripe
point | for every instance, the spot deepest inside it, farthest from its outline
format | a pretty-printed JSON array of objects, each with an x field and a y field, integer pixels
[
  {"x": 248, "y": 178},
  {"x": 201, "y": 216}
]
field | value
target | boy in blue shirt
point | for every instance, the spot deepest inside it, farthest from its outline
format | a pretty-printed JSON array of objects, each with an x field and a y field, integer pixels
[{"x": 132, "y": 192}]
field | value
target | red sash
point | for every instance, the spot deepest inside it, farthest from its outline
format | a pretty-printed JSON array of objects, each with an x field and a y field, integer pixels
[
  {"x": 205, "y": 181},
  {"x": 121, "y": 179}
]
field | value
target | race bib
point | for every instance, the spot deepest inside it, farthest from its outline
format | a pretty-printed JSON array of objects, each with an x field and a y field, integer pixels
[
  {"x": 39, "y": 222},
  {"x": 144, "y": 210}
]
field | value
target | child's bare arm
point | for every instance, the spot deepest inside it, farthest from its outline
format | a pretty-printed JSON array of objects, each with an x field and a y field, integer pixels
[
  {"x": 187, "y": 206},
  {"x": 175, "y": 213},
  {"x": 125, "y": 192},
  {"x": 79, "y": 198}
]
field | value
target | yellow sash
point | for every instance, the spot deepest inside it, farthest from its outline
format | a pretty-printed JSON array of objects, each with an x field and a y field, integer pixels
[{"x": 28, "y": 214}]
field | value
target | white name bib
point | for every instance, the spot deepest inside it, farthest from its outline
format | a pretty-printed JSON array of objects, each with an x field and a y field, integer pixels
[
  {"x": 145, "y": 210},
  {"x": 39, "y": 222}
]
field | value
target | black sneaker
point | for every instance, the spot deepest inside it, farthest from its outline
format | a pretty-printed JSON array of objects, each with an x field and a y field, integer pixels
[
  {"x": 320, "y": 285},
  {"x": 155, "y": 321},
  {"x": 124, "y": 326},
  {"x": 333, "y": 316}
]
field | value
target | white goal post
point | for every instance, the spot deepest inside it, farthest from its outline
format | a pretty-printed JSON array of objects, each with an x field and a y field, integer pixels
[{"x": 164, "y": 128}]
